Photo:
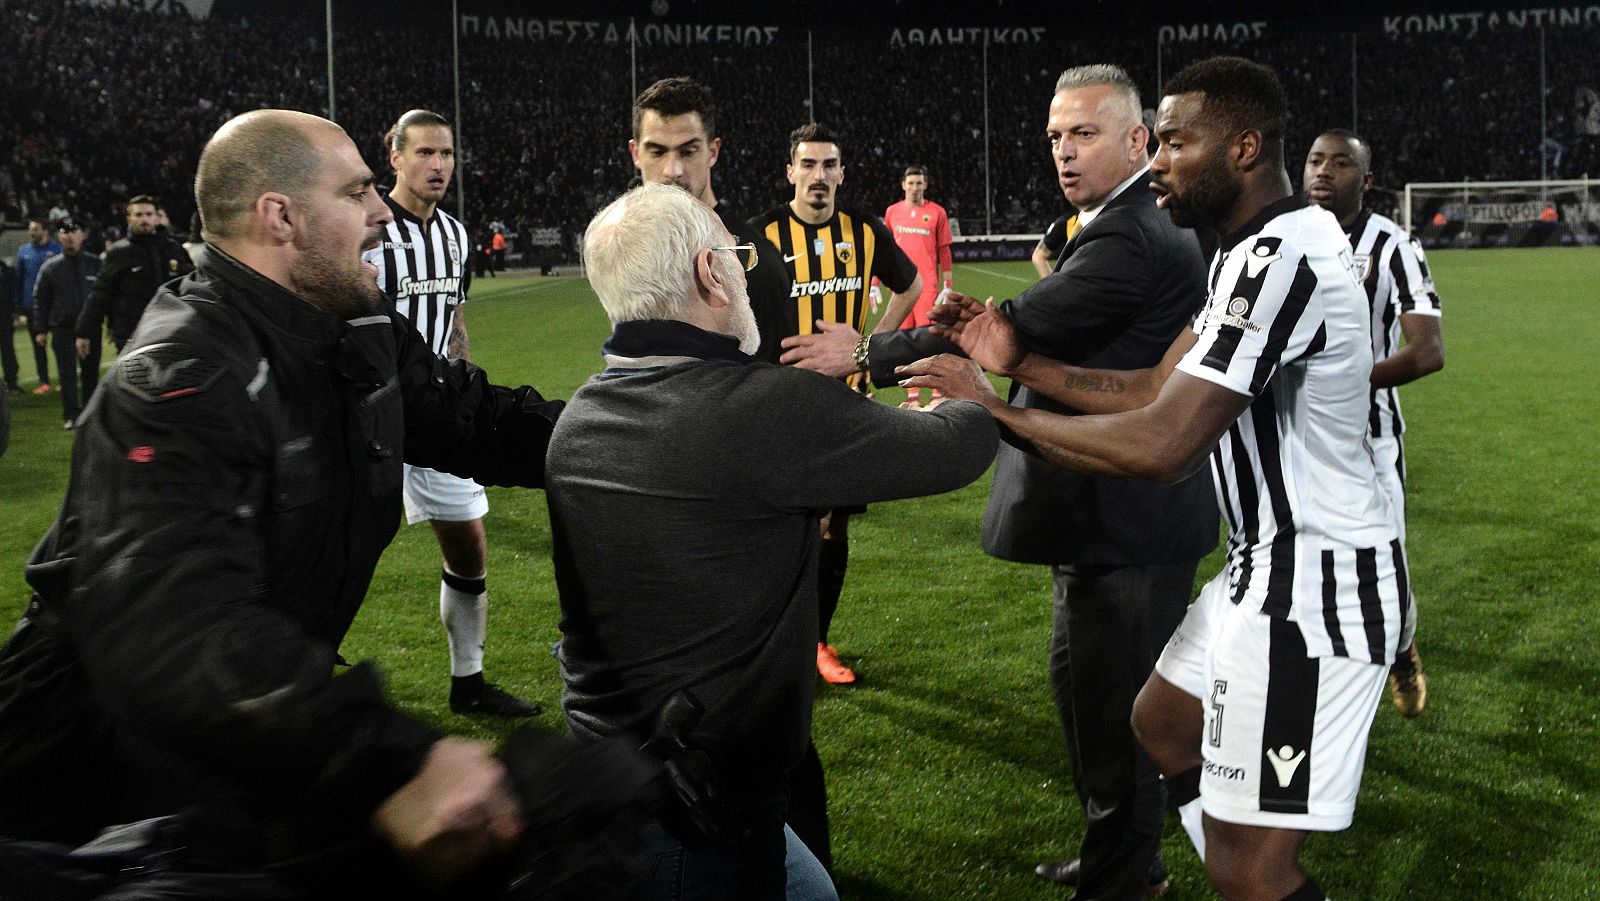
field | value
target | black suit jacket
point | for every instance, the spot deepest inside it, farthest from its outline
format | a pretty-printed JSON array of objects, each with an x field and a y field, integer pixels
[{"x": 1124, "y": 288}]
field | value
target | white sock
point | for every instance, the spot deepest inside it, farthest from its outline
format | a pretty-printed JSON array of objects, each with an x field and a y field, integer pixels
[
  {"x": 1190, "y": 816},
  {"x": 464, "y": 610}
]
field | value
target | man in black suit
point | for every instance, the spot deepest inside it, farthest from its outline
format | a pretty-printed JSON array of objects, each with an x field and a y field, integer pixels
[{"x": 1123, "y": 553}]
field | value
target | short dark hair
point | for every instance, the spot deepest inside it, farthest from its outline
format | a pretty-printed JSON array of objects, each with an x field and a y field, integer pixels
[
  {"x": 144, "y": 198},
  {"x": 39, "y": 219},
  {"x": 395, "y": 137},
  {"x": 1353, "y": 138},
  {"x": 1240, "y": 95},
  {"x": 676, "y": 96},
  {"x": 815, "y": 132},
  {"x": 914, "y": 170}
]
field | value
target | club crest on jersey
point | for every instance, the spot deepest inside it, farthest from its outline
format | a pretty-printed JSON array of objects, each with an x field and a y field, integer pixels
[
  {"x": 455, "y": 252},
  {"x": 926, "y": 218},
  {"x": 845, "y": 251}
]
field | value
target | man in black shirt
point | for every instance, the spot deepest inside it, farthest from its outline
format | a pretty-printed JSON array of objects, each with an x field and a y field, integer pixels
[
  {"x": 134, "y": 268},
  {"x": 58, "y": 295},
  {"x": 237, "y": 478},
  {"x": 675, "y": 142}
]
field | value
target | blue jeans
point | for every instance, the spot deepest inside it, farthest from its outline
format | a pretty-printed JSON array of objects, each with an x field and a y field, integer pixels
[
  {"x": 807, "y": 879},
  {"x": 747, "y": 864}
]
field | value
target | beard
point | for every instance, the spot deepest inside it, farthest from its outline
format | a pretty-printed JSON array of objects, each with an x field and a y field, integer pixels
[
  {"x": 742, "y": 321},
  {"x": 343, "y": 287},
  {"x": 1206, "y": 200},
  {"x": 818, "y": 204},
  {"x": 741, "y": 318}
]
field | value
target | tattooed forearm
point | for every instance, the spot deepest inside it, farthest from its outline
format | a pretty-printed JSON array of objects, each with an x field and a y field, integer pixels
[
  {"x": 459, "y": 347},
  {"x": 1089, "y": 381}
]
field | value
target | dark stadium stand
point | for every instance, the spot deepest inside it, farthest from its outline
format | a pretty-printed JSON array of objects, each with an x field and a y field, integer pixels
[{"x": 103, "y": 103}]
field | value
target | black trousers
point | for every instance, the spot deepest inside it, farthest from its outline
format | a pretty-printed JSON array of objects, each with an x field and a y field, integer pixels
[
  {"x": 41, "y": 357},
  {"x": 8, "y": 348},
  {"x": 1109, "y": 626},
  {"x": 78, "y": 378}
]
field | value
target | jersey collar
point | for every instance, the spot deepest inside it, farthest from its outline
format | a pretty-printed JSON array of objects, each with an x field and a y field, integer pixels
[
  {"x": 1358, "y": 224},
  {"x": 1259, "y": 220},
  {"x": 401, "y": 212}
]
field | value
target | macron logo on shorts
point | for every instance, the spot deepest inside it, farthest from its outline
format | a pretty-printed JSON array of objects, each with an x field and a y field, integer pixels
[{"x": 1284, "y": 762}]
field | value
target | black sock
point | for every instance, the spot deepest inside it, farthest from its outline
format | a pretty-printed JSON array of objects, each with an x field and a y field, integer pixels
[
  {"x": 1183, "y": 788},
  {"x": 1308, "y": 891},
  {"x": 832, "y": 562}
]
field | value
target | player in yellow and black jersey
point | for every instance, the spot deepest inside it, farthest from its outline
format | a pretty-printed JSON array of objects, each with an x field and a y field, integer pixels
[{"x": 832, "y": 254}]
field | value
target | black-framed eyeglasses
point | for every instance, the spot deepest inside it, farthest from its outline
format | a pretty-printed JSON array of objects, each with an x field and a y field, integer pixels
[{"x": 746, "y": 253}]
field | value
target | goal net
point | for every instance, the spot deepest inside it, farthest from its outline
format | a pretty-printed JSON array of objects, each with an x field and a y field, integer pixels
[{"x": 1502, "y": 213}]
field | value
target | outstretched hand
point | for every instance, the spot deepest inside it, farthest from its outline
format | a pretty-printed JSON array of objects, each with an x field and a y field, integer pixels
[
  {"x": 956, "y": 377},
  {"x": 981, "y": 332},
  {"x": 830, "y": 350}
]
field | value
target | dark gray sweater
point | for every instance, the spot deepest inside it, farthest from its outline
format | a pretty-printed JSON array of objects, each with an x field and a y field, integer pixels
[{"x": 685, "y": 501}]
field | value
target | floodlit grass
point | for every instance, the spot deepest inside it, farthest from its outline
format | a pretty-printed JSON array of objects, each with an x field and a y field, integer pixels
[{"x": 946, "y": 771}]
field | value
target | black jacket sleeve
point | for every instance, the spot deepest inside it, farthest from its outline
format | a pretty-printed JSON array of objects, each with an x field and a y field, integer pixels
[
  {"x": 44, "y": 294},
  {"x": 886, "y": 350},
  {"x": 458, "y": 422},
  {"x": 104, "y": 293},
  {"x": 156, "y": 577}
]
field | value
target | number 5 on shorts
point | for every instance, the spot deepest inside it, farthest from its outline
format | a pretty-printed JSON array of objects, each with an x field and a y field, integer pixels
[{"x": 1218, "y": 689}]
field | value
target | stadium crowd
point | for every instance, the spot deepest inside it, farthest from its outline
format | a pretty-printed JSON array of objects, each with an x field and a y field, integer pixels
[{"x": 105, "y": 103}]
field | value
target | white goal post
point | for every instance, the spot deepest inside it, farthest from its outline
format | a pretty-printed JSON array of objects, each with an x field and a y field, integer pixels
[{"x": 1502, "y": 213}]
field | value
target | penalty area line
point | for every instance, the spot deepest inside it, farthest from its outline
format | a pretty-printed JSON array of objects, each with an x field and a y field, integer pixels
[
  {"x": 998, "y": 274},
  {"x": 520, "y": 291}
]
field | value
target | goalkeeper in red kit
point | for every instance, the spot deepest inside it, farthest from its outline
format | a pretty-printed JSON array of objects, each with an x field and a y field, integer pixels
[{"x": 922, "y": 230}]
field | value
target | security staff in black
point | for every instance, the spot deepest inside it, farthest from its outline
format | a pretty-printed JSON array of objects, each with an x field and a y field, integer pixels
[
  {"x": 134, "y": 268},
  {"x": 232, "y": 487},
  {"x": 64, "y": 282}
]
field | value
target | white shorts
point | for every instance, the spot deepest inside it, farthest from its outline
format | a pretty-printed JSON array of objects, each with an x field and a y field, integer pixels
[
  {"x": 431, "y": 494},
  {"x": 1285, "y": 735}
]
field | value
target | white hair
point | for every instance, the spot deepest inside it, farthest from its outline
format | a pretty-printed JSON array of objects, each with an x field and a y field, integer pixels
[
  {"x": 1104, "y": 74},
  {"x": 640, "y": 252}
]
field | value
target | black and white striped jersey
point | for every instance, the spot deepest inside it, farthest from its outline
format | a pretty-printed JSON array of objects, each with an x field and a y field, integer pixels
[
  {"x": 1311, "y": 537},
  {"x": 422, "y": 269},
  {"x": 1393, "y": 270}
]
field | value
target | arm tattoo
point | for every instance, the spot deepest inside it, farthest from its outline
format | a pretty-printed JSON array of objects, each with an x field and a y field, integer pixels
[
  {"x": 459, "y": 348},
  {"x": 1085, "y": 381}
]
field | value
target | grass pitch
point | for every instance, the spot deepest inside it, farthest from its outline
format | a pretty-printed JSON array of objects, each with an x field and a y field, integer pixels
[{"x": 946, "y": 771}]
